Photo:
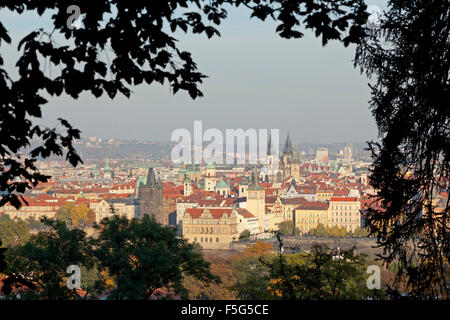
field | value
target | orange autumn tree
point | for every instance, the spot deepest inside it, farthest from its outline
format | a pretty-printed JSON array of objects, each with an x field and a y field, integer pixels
[
  {"x": 220, "y": 266},
  {"x": 224, "y": 267},
  {"x": 260, "y": 248}
]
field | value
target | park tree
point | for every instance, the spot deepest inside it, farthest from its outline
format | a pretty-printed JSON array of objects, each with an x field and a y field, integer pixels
[
  {"x": 123, "y": 44},
  {"x": 5, "y": 217},
  {"x": 323, "y": 273},
  {"x": 320, "y": 231},
  {"x": 146, "y": 259},
  {"x": 409, "y": 59},
  {"x": 360, "y": 232},
  {"x": 200, "y": 290},
  {"x": 258, "y": 249},
  {"x": 287, "y": 228},
  {"x": 245, "y": 235},
  {"x": 343, "y": 232},
  {"x": 2, "y": 258},
  {"x": 79, "y": 215},
  {"x": 335, "y": 231},
  {"x": 34, "y": 224},
  {"x": 14, "y": 232},
  {"x": 93, "y": 282},
  {"x": 64, "y": 213},
  {"x": 252, "y": 279},
  {"x": 251, "y": 275},
  {"x": 42, "y": 262},
  {"x": 91, "y": 218}
]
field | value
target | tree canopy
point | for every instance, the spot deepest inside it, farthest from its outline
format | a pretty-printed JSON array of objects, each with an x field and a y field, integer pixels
[
  {"x": 44, "y": 259},
  {"x": 137, "y": 259},
  {"x": 146, "y": 259},
  {"x": 316, "y": 275},
  {"x": 287, "y": 228},
  {"x": 14, "y": 232},
  {"x": 409, "y": 56},
  {"x": 76, "y": 215},
  {"x": 2, "y": 258}
]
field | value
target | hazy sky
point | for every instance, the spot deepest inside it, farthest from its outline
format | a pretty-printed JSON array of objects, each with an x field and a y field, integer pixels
[{"x": 256, "y": 80}]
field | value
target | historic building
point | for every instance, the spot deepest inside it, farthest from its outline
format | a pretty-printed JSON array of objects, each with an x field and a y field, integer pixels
[
  {"x": 107, "y": 172},
  {"x": 310, "y": 214},
  {"x": 33, "y": 208},
  {"x": 187, "y": 186},
  {"x": 127, "y": 207},
  {"x": 272, "y": 172},
  {"x": 274, "y": 211},
  {"x": 243, "y": 186},
  {"x": 222, "y": 188},
  {"x": 289, "y": 162},
  {"x": 151, "y": 199},
  {"x": 256, "y": 203},
  {"x": 345, "y": 212},
  {"x": 324, "y": 194},
  {"x": 210, "y": 178},
  {"x": 216, "y": 228}
]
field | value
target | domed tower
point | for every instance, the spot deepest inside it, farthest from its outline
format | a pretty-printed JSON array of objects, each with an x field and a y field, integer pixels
[
  {"x": 107, "y": 172},
  {"x": 222, "y": 187}
]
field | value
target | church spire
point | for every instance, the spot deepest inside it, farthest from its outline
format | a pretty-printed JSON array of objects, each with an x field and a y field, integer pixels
[
  {"x": 269, "y": 145},
  {"x": 255, "y": 184},
  {"x": 151, "y": 179},
  {"x": 288, "y": 148},
  {"x": 107, "y": 168}
]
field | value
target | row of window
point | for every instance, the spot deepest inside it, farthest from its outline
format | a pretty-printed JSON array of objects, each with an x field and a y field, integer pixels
[
  {"x": 311, "y": 214},
  {"x": 205, "y": 230},
  {"x": 324, "y": 220},
  {"x": 209, "y": 221},
  {"x": 345, "y": 213},
  {"x": 342, "y": 207},
  {"x": 206, "y": 239},
  {"x": 345, "y": 220},
  {"x": 312, "y": 221}
]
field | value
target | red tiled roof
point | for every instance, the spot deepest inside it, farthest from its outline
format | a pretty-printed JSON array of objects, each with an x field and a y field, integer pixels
[
  {"x": 293, "y": 200},
  {"x": 244, "y": 212},
  {"x": 217, "y": 213},
  {"x": 313, "y": 205},
  {"x": 342, "y": 199},
  {"x": 340, "y": 192},
  {"x": 271, "y": 199},
  {"x": 327, "y": 190}
]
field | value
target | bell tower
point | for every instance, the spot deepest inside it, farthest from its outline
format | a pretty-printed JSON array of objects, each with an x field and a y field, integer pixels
[{"x": 256, "y": 202}]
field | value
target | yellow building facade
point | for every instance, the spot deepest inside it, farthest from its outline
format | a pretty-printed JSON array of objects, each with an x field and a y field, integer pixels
[{"x": 310, "y": 214}]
